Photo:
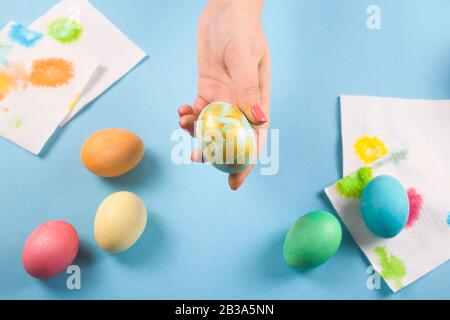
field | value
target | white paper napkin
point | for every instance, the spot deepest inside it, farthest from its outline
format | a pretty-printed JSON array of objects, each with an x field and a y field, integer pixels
[
  {"x": 78, "y": 24},
  {"x": 371, "y": 126},
  {"x": 425, "y": 243},
  {"x": 40, "y": 81}
]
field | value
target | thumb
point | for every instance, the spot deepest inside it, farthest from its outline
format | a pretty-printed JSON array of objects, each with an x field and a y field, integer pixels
[{"x": 244, "y": 73}]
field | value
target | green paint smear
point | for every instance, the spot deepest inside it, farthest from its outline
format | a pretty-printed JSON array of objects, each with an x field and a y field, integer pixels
[
  {"x": 16, "y": 123},
  {"x": 353, "y": 185},
  {"x": 394, "y": 158},
  {"x": 392, "y": 267},
  {"x": 65, "y": 30}
]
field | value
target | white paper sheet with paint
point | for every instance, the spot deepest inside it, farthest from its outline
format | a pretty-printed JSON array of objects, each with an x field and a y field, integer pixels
[
  {"x": 388, "y": 121},
  {"x": 83, "y": 27},
  {"x": 425, "y": 243},
  {"x": 40, "y": 80}
]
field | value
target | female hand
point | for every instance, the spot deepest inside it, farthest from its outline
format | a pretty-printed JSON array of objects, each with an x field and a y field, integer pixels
[{"x": 234, "y": 66}]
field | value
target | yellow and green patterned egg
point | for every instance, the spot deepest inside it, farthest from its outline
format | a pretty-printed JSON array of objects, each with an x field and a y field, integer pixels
[{"x": 227, "y": 139}]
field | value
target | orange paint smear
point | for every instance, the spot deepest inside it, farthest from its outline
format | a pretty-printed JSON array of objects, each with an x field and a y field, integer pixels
[
  {"x": 5, "y": 83},
  {"x": 14, "y": 77},
  {"x": 51, "y": 72}
]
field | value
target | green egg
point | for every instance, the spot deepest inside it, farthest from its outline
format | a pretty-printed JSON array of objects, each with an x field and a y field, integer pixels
[{"x": 312, "y": 240}]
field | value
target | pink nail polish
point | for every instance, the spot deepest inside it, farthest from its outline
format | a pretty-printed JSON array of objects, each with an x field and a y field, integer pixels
[{"x": 259, "y": 114}]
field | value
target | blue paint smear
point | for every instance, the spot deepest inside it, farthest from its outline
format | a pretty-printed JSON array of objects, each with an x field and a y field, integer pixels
[
  {"x": 448, "y": 219},
  {"x": 24, "y": 36}
]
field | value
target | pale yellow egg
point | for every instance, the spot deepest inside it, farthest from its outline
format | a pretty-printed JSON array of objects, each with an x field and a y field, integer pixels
[{"x": 120, "y": 222}]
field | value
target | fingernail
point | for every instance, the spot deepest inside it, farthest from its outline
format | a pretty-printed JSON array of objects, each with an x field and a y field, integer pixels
[
  {"x": 236, "y": 187},
  {"x": 259, "y": 114}
]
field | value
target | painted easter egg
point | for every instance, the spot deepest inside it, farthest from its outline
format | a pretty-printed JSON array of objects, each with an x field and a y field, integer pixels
[
  {"x": 312, "y": 240},
  {"x": 120, "y": 222},
  {"x": 112, "y": 152},
  {"x": 50, "y": 249},
  {"x": 228, "y": 140},
  {"x": 385, "y": 206}
]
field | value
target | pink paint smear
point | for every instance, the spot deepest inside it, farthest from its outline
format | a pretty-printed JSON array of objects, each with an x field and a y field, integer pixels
[{"x": 415, "y": 207}]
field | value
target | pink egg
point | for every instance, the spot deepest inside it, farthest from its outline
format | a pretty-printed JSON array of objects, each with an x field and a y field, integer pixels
[{"x": 50, "y": 249}]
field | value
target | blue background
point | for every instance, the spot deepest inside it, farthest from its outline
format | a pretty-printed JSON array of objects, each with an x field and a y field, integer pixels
[{"x": 203, "y": 240}]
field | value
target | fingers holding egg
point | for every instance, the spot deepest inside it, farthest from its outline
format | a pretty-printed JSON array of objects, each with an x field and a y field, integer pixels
[
  {"x": 197, "y": 156},
  {"x": 185, "y": 110},
  {"x": 187, "y": 123}
]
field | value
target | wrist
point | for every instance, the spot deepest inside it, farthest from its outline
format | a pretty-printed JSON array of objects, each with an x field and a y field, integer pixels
[{"x": 245, "y": 4}]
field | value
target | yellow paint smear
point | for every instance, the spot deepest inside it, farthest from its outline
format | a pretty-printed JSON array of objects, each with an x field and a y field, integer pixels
[
  {"x": 370, "y": 149},
  {"x": 5, "y": 82},
  {"x": 74, "y": 101}
]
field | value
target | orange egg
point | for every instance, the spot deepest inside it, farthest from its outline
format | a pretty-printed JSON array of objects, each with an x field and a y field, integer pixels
[{"x": 112, "y": 152}]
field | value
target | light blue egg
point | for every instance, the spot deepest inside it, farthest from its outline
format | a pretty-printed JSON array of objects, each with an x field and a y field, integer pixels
[{"x": 385, "y": 206}]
